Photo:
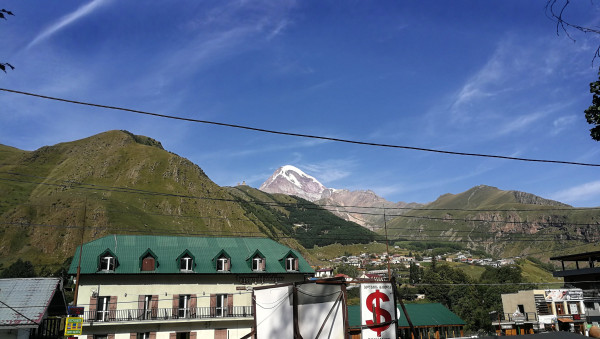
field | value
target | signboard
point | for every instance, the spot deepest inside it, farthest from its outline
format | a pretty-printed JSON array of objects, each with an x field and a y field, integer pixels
[
  {"x": 73, "y": 326},
  {"x": 378, "y": 306},
  {"x": 561, "y": 295},
  {"x": 75, "y": 311}
]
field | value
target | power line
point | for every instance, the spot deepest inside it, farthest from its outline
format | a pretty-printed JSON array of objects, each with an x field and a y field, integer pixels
[
  {"x": 275, "y": 203},
  {"x": 256, "y": 129}
]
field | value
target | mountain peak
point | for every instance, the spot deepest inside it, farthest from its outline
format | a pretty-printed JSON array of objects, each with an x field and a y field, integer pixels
[{"x": 291, "y": 180}]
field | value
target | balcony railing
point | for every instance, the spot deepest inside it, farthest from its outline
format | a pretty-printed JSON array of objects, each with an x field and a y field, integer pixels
[
  {"x": 162, "y": 314},
  {"x": 528, "y": 316}
]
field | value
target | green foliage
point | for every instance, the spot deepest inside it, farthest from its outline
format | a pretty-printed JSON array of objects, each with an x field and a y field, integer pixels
[
  {"x": 349, "y": 270},
  {"x": 592, "y": 113},
  {"x": 546, "y": 266},
  {"x": 459, "y": 292},
  {"x": 19, "y": 269}
]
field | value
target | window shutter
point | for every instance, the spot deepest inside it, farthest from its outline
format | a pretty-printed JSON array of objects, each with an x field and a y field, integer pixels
[
  {"x": 230, "y": 305},
  {"x": 295, "y": 264},
  {"x": 148, "y": 264},
  {"x": 141, "y": 299},
  {"x": 193, "y": 303},
  {"x": 154, "y": 307},
  {"x": 263, "y": 264},
  {"x": 132, "y": 335},
  {"x": 213, "y": 304},
  {"x": 175, "y": 305},
  {"x": 228, "y": 265},
  {"x": 112, "y": 308},
  {"x": 92, "y": 308},
  {"x": 173, "y": 335}
]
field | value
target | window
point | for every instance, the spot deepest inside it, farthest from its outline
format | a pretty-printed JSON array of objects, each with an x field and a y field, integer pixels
[
  {"x": 184, "y": 304},
  {"x": 223, "y": 264},
  {"x": 107, "y": 262},
  {"x": 183, "y": 335},
  {"x": 574, "y": 307},
  {"x": 100, "y": 336},
  {"x": 144, "y": 335},
  {"x": 521, "y": 309},
  {"x": 258, "y": 263},
  {"x": 291, "y": 264},
  {"x": 148, "y": 263},
  {"x": 186, "y": 263},
  {"x": 560, "y": 308},
  {"x": 102, "y": 308},
  {"x": 221, "y": 310},
  {"x": 147, "y": 311}
]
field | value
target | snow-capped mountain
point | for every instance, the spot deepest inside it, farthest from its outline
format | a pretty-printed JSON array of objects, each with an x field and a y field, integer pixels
[
  {"x": 292, "y": 181},
  {"x": 349, "y": 205}
]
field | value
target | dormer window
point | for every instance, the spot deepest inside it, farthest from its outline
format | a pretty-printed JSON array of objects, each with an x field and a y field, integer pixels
[
  {"x": 258, "y": 263},
  {"x": 291, "y": 263},
  {"x": 107, "y": 262},
  {"x": 186, "y": 263},
  {"x": 223, "y": 264},
  {"x": 148, "y": 261}
]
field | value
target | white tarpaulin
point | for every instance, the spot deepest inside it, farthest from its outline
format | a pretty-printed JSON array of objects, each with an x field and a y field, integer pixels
[
  {"x": 377, "y": 306},
  {"x": 320, "y": 309}
]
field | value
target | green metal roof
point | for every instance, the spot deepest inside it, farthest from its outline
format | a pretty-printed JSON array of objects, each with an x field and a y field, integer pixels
[
  {"x": 433, "y": 314},
  {"x": 129, "y": 248}
]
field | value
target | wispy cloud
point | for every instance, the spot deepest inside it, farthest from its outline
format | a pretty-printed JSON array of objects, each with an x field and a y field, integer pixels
[
  {"x": 520, "y": 123},
  {"x": 579, "y": 194},
  {"x": 66, "y": 20},
  {"x": 329, "y": 170},
  {"x": 563, "y": 122}
]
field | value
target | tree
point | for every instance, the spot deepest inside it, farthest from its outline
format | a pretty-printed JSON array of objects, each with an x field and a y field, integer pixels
[
  {"x": 348, "y": 270},
  {"x": 19, "y": 269},
  {"x": 4, "y": 65},
  {"x": 592, "y": 114},
  {"x": 555, "y": 10}
]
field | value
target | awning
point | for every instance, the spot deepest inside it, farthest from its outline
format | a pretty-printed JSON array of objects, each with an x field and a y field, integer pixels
[{"x": 565, "y": 320}]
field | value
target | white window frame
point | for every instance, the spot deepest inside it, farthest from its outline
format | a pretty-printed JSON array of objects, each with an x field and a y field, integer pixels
[
  {"x": 102, "y": 308},
  {"x": 107, "y": 263},
  {"x": 222, "y": 263},
  {"x": 221, "y": 307},
  {"x": 256, "y": 263},
  {"x": 183, "y": 310},
  {"x": 290, "y": 263},
  {"x": 186, "y": 263}
]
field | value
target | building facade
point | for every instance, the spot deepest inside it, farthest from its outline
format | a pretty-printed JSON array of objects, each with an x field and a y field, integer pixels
[
  {"x": 533, "y": 311},
  {"x": 158, "y": 287}
]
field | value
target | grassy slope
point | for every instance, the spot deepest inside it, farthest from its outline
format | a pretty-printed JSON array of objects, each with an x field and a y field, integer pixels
[
  {"x": 547, "y": 228},
  {"x": 48, "y": 192}
]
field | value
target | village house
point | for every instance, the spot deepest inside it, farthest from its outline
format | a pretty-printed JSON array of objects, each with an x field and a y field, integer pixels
[{"x": 161, "y": 287}]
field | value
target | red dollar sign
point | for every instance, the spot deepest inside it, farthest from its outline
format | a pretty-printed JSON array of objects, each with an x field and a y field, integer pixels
[{"x": 379, "y": 312}]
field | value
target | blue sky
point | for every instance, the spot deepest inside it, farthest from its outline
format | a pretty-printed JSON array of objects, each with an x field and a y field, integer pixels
[{"x": 469, "y": 76}]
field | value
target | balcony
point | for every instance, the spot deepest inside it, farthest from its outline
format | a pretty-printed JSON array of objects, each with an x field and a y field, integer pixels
[
  {"x": 529, "y": 317},
  {"x": 168, "y": 314}
]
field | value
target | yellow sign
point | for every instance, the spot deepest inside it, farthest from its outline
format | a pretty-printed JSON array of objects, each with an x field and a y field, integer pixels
[{"x": 73, "y": 326}]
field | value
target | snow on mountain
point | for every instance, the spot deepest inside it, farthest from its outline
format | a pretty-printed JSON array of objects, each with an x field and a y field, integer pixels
[
  {"x": 292, "y": 181},
  {"x": 362, "y": 207}
]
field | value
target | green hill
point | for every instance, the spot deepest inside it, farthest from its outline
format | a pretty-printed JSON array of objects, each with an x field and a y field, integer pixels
[
  {"x": 54, "y": 198},
  {"x": 504, "y": 223}
]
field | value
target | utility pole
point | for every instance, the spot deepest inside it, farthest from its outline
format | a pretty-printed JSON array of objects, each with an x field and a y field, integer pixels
[
  {"x": 387, "y": 245},
  {"x": 80, "y": 251}
]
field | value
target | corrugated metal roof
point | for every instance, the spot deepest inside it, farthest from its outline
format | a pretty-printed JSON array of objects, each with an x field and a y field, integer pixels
[
  {"x": 28, "y": 297},
  {"x": 129, "y": 248},
  {"x": 432, "y": 314}
]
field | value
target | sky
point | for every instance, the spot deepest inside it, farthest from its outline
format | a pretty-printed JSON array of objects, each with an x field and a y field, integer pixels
[{"x": 490, "y": 77}]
